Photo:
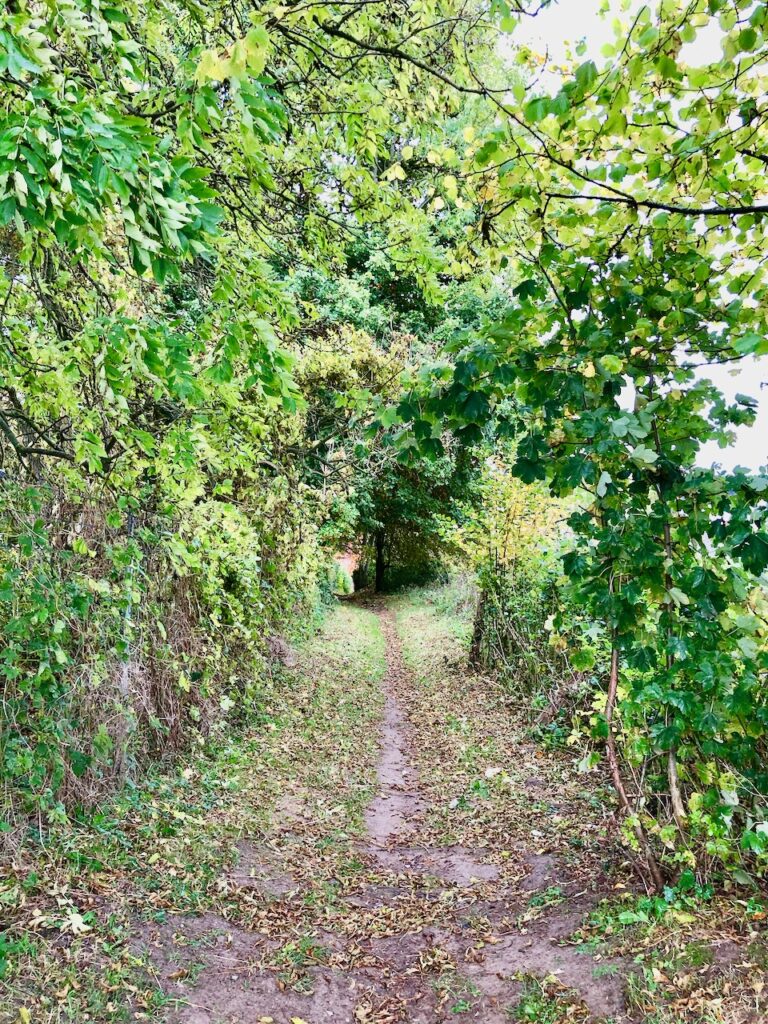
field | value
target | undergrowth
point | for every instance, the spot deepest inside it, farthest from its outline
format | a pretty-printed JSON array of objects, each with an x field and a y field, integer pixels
[{"x": 73, "y": 905}]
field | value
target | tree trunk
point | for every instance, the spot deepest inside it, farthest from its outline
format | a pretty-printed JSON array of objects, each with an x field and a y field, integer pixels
[
  {"x": 380, "y": 564},
  {"x": 477, "y": 631},
  {"x": 618, "y": 782}
]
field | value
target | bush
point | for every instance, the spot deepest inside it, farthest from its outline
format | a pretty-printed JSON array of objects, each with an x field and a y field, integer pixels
[{"x": 130, "y": 635}]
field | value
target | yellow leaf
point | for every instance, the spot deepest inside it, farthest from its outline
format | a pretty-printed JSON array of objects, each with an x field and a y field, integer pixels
[
  {"x": 451, "y": 186},
  {"x": 682, "y": 916},
  {"x": 212, "y": 68},
  {"x": 256, "y": 46},
  {"x": 469, "y": 133},
  {"x": 298, "y": 1020},
  {"x": 589, "y": 370},
  {"x": 238, "y": 60},
  {"x": 24, "y": 1016}
]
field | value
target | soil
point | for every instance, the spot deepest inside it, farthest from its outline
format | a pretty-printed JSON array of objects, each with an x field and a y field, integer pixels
[{"x": 429, "y": 933}]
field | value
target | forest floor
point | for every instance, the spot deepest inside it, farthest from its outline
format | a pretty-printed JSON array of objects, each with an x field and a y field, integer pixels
[{"x": 389, "y": 843}]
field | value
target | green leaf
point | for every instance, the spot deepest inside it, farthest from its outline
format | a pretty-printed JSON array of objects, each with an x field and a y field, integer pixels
[
  {"x": 586, "y": 75},
  {"x": 613, "y": 364},
  {"x": 753, "y": 552},
  {"x": 751, "y": 343},
  {"x": 603, "y": 483},
  {"x": 583, "y": 660},
  {"x": 538, "y": 109},
  {"x": 475, "y": 407},
  {"x": 643, "y": 455},
  {"x": 529, "y": 471}
]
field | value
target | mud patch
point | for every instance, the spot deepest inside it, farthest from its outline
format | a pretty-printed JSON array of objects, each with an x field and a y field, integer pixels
[
  {"x": 260, "y": 868},
  {"x": 375, "y": 895},
  {"x": 599, "y": 982},
  {"x": 229, "y": 999},
  {"x": 543, "y": 872},
  {"x": 452, "y": 864},
  {"x": 191, "y": 953},
  {"x": 292, "y": 808}
]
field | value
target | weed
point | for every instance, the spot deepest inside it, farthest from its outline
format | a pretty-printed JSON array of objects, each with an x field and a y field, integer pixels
[
  {"x": 452, "y": 987},
  {"x": 549, "y": 898},
  {"x": 757, "y": 951},
  {"x": 687, "y": 896},
  {"x": 462, "y": 1006},
  {"x": 696, "y": 954},
  {"x": 605, "y": 970},
  {"x": 542, "y": 1002}
]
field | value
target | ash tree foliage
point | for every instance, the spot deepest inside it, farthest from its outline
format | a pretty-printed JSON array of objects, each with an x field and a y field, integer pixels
[
  {"x": 167, "y": 171},
  {"x": 277, "y": 277}
]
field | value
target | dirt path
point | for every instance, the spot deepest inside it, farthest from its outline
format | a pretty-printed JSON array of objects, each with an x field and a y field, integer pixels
[
  {"x": 419, "y": 931},
  {"x": 395, "y": 813},
  {"x": 485, "y": 977},
  {"x": 397, "y": 801},
  {"x": 389, "y": 842}
]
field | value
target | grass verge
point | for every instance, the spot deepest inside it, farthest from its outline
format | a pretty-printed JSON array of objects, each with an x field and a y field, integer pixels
[{"x": 72, "y": 910}]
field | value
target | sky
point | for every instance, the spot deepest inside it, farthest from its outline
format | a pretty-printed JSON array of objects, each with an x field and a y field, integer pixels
[{"x": 554, "y": 31}]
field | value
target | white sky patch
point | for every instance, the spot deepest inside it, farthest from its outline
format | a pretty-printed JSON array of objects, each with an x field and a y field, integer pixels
[
  {"x": 556, "y": 32},
  {"x": 751, "y": 447}
]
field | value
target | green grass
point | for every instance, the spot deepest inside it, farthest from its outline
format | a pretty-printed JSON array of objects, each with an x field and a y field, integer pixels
[
  {"x": 540, "y": 1003},
  {"x": 162, "y": 846},
  {"x": 549, "y": 898},
  {"x": 294, "y": 958},
  {"x": 455, "y": 992}
]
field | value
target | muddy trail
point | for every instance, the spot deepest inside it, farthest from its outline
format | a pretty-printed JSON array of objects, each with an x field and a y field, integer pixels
[
  {"x": 389, "y": 837},
  {"x": 400, "y": 923}
]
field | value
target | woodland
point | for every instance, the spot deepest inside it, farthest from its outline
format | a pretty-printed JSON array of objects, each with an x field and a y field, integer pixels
[{"x": 293, "y": 286}]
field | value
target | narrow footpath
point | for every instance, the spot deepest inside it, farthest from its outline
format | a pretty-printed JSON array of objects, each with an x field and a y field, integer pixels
[
  {"x": 394, "y": 839},
  {"x": 410, "y": 924}
]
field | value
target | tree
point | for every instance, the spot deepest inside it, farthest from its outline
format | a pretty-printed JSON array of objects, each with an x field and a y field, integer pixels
[
  {"x": 626, "y": 210},
  {"x": 164, "y": 170},
  {"x": 177, "y": 180}
]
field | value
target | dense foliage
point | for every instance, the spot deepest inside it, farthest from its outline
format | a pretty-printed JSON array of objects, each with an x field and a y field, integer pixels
[
  {"x": 629, "y": 204},
  {"x": 167, "y": 174},
  {"x": 228, "y": 230}
]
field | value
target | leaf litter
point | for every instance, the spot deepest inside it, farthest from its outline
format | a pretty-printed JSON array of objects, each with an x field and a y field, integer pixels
[{"x": 389, "y": 845}]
